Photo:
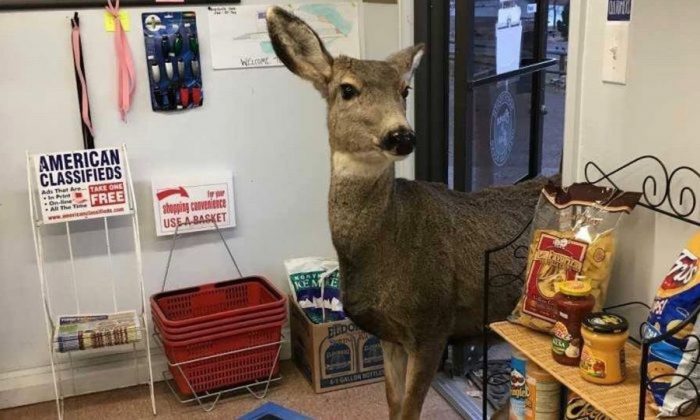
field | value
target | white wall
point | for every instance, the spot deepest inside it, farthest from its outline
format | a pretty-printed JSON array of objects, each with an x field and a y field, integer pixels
[
  {"x": 654, "y": 113},
  {"x": 265, "y": 125}
]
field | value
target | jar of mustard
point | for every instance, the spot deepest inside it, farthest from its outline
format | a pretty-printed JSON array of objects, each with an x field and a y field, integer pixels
[{"x": 603, "y": 355}]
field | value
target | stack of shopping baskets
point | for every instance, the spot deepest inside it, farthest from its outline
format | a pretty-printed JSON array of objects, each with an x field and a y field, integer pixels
[{"x": 221, "y": 335}]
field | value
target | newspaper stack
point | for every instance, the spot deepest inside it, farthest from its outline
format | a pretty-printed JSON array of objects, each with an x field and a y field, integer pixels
[{"x": 81, "y": 332}]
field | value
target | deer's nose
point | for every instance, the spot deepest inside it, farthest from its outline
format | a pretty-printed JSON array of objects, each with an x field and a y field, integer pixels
[{"x": 400, "y": 142}]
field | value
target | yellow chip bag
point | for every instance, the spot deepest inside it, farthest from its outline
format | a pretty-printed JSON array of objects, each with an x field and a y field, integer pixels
[{"x": 573, "y": 238}]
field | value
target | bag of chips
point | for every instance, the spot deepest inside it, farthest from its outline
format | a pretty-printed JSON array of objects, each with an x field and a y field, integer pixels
[
  {"x": 573, "y": 238},
  {"x": 579, "y": 409},
  {"x": 673, "y": 370}
]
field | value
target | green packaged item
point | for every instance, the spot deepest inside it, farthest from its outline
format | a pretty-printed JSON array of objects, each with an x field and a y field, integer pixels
[{"x": 315, "y": 284}]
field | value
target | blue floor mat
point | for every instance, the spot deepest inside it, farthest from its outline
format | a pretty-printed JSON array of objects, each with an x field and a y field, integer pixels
[{"x": 272, "y": 411}]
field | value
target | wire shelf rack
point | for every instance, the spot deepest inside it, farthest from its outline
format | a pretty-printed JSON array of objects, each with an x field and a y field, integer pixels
[{"x": 666, "y": 191}]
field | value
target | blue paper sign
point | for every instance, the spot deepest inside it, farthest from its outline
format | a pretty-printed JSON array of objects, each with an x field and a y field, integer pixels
[{"x": 619, "y": 10}]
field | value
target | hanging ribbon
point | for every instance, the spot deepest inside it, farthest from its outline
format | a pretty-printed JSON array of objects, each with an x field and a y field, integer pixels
[
  {"x": 83, "y": 101},
  {"x": 126, "y": 77}
]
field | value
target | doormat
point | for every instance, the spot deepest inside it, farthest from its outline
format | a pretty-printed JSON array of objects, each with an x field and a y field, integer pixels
[{"x": 272, "y": 411}]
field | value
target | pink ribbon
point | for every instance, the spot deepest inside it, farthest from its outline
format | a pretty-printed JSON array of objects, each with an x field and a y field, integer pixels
[
  {"x": 126, "y": 79},
  {"x": 85, "y": 106}
]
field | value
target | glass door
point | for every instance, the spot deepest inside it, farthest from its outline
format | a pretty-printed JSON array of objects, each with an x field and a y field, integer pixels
[
  {"x": 498, "y": 92},
  {"x": 479, "y": 120}
]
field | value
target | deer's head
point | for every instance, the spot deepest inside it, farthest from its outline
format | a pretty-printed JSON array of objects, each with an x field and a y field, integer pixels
[{"x": 366, "y": 99}]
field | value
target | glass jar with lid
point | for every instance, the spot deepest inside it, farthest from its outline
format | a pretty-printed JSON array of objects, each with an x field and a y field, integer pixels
[
  {"x": 574, "y": 301},
  {"x": 603, "y": 354}
]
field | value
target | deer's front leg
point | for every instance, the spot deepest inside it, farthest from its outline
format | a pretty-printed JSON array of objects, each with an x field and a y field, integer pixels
[
  {"x": 395, "y": 360},
  {"x": 421, "y": 368}
]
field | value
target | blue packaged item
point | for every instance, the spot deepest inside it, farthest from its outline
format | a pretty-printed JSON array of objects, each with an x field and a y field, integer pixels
[
  {"x": 518, "y": 387},
  {"x": 172, "y": 53},
  {"x": 315, "y": 284},
  {"x": 672, "y": 371}
]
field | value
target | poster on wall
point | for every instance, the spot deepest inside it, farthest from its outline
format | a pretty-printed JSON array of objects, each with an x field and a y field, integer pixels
[
  {"x": 238, "y": 34},
  {"x": 194, "y": 203},
  {"x": 79, "y": 185}
]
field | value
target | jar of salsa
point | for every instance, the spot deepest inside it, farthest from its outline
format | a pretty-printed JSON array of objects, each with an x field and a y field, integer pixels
[
  {"x": 603, "y": 355},
  {"x": 574, "y": 301}
]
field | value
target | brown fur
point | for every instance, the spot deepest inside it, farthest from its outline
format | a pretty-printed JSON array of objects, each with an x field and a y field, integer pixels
[{"x": 410, "y": 253}]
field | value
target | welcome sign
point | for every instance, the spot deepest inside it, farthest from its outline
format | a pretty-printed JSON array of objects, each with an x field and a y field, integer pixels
[{"x": 83, "y": 184}]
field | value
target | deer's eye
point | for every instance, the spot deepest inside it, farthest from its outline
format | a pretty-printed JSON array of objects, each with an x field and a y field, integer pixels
[
  {"x": 348, "y": 91},
  {"x": 405, "y": 92}
]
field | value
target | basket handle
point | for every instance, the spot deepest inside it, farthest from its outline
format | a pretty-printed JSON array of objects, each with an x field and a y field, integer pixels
[{"x": 172, "y": 249}]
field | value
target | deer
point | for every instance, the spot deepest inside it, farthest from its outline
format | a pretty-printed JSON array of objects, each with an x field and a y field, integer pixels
[{"x": 410, "y": 252}]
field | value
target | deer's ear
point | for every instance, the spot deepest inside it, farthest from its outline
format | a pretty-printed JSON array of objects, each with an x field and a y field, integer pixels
[
  {"x": 299, "y": 47},
  {"x": 407, "y": 60}
]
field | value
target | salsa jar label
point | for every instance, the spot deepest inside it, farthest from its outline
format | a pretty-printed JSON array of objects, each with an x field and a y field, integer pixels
[
  {"x": 563, "y": 342},
  {"x": 561, "y": 339}
]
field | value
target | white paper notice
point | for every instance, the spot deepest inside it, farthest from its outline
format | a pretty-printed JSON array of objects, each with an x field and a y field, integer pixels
[
  {"x": 239, "y": 39},
  {"x": 195, "y": 203},
  {"x": 509, "y": 34}
]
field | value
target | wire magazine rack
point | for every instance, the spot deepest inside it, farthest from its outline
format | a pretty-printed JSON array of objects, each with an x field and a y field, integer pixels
[
  {"x": 664, "y": 191},
  {"x": 101, "y": 355},
  {"x": 257, "y": 388}
]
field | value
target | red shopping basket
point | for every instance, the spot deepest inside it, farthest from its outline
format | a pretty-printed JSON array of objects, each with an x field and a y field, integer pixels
[
  {"x": 257, "y": 358},
  {"x": 212, "y": 324},
  {"x": 230, "y": 325},
  {"x": 227, "y": 371},
  {"x": 216, "y": 301}
]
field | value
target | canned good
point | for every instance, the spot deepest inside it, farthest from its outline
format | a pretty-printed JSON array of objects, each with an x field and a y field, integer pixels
[
  {"x": 544, "y": 392},
  {"x": 518, "y": 388}
]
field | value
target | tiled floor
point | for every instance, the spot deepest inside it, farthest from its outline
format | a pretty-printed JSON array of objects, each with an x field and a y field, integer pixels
[{"x": 364, "y": 402}]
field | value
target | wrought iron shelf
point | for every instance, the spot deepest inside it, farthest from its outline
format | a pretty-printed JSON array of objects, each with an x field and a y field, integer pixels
[
  {"x": 668, "y": 192},
  {"x": 661, "y": 194},
  {"x": 536, "y": 346}
]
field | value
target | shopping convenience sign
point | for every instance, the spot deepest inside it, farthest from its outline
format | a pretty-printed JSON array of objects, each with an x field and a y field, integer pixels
[
  {"x": 83, "y": 184},
  {"x": 194, "y": 203}
]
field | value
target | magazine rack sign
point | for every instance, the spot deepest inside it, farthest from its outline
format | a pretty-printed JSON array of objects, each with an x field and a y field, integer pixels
[{"x": 82, "y": 184}]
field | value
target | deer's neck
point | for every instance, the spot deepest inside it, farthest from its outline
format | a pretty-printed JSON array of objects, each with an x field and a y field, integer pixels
[{"x": 360, "y": 197}]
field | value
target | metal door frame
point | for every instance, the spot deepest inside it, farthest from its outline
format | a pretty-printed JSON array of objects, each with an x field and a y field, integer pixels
[
  {"x": 431, "y": 80},
  {"x": 465, "y": 85}
]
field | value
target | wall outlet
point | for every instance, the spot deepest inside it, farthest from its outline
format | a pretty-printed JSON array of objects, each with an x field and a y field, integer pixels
[{"x": 615, "y": 52}]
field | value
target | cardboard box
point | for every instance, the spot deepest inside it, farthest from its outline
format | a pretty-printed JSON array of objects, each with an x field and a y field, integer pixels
[{"x": 334, "y": 355}]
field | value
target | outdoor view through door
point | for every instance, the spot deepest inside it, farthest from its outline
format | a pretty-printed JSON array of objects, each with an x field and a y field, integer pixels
[
  {"x": 497, "y": 116},
  {"x": 489, "y": 111}
]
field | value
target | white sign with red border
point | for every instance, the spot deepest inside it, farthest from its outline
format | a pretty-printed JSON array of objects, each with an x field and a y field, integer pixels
[
  {"x": 194, "y": 203},
  {"x": 84, "y": 184}
]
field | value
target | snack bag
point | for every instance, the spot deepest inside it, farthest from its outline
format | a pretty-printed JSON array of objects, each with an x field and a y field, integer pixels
[
  {"x": 573, "y": 238},
  {"x": 579, "y": 409},
  {"x": 672, "y": 369},
  {"x": 315, "y": 283}
]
